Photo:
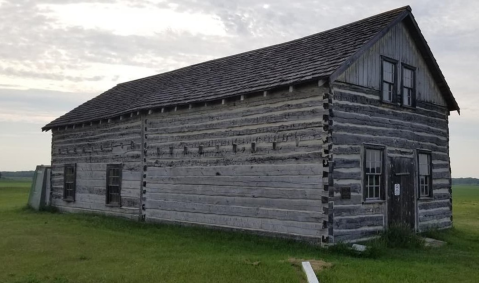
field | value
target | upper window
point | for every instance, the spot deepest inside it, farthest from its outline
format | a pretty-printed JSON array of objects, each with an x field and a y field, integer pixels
[
  {"x": 408, "y": 86},
  {"x": 389, "y": 80},
  {"x": 425, "y": 180},
  {"x": 69, "y": 182},
  {"x": 113, "y": 184},
  {"x": 373, "y": 173}
]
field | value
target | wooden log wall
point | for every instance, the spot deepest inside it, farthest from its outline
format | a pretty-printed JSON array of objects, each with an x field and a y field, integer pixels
[
  {"x": 250, "y": 163},
  {"x": 359, "y": 118},
  {"x": 91, "y": 147}
]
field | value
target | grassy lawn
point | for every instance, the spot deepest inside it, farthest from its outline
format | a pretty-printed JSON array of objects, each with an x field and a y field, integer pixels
[{"x": 45, "y": 247}]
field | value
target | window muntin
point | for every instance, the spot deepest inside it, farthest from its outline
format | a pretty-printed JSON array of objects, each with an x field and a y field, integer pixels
[
  {"x": 69, "y": 182},
  {"x": 388, "y": 80},
  {"x": 373, "y": 174},
  {"x": 113, "y": 181},
  {"x": 425, "y": 181},
  {"x": 408, "y": 86}
]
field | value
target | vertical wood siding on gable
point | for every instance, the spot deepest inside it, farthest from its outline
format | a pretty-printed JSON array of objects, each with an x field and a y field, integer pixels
[
  {"x": 262, "y": 190},
  {"x": 92, "y": 148},
  {"x": 396, "y": 44},
  {"x": 360, "y": 117}
]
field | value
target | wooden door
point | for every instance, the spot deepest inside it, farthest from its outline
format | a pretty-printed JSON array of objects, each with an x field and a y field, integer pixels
[{"x": 401, "y": 197}]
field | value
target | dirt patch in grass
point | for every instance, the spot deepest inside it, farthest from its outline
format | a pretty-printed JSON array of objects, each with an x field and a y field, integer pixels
[{"x": 317, "y": 264}]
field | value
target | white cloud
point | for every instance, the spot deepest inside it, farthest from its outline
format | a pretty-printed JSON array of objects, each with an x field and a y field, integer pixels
[{"x": 124, "y": 20}]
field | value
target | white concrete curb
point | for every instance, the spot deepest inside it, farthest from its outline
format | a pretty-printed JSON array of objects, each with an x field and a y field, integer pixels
[{"x": 309, "y": 272}]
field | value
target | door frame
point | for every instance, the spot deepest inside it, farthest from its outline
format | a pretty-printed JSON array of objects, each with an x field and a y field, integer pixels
[{"x": 414, "y": 177}]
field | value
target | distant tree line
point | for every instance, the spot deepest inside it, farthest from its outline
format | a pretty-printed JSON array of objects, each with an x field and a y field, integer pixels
[
  {"x": 465, "y": 181},
  {"x": 17, "y": 174}
]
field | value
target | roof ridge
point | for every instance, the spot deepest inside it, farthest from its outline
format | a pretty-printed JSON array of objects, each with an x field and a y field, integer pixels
[{"x": 407, "y": 7}]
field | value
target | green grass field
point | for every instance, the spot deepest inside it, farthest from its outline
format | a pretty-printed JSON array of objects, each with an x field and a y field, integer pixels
[{"x": 45, "y": 247}]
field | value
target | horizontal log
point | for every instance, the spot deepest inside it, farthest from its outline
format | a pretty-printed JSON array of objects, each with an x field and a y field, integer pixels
[
  {"x": 356, "y": 235},
  {"x": 296, "y": 158},
  {"x": 366, "y": 120},
  {"x": 308, "y": 130},
  {"x": 347, "y": 163},
  {"x": 433, "y": 204},
  {"x": 439, "y": 140},
  {"x": 100, "y": 140},
  {"x": 441, "y": 175},
  {"x": 244, "y": 109},
  {"x": 238, "y": 170},
  {"x": 434, "y": 214},
  {"x": 124, "y": 213},
  {"x": 247, "y": 223},
  {"x": 432, "y": 107},
  {"x": 338, "y": 174},
  {"x": 359, "y": 209},
  {"x": 288, "y": 204},
  {"x": 104, "y": 128},
  {"x": 229, "y": 191},
  {"x": 242, "y": 149},
  {"x": 360, "y": 221},
  {"x": 304, "y": 182},
  {"x": 71, "y": 159},
  {"x": 231, "y": 210},
  {"x": 309, "y": 111},
  {"x": 344, "y": 138},
  {"x": 441, "y": 196},
  {"x": 394, "y": 110},
  {"x": 435, "y": 224},
  {"x": 346, "y": 150}
]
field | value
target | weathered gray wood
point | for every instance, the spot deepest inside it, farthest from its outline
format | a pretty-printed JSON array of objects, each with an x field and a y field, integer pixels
[
  {"x": 91, "y": 149},
  {"x": 432, "y": 204},
  {"x": 435, "y": 224},
  {"x": 292, "y": 204},
  {"x": 252, "y": 192},
  {"x": 303, "y": 111},
  {"x": 354, "y": 235},
  {"x": 356, "y": 222},
  {"x": 346, "y": 138},
  {"x": 355, "y": 118},
  {"x": 274, "y": 158},
  {"x": 232, "y": 210},
  {"x": 304, "y": 182},
  {"x": 358, "y": 209},
  {"x": 362, "y": 105},
  {"x": 235, "y": 170},
  {"x": 397, "y": 44},
  {"x": 440, "y": 141},
  {"x": 247, "y": 223}
]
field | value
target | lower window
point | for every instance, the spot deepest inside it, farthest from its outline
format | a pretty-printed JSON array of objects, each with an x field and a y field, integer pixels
[
  {"x": 113, "y": 184},
  {"x": 69, "y": 182},
  {"x": 373, "y": 173},
  {"x": 424, "y": 174}
]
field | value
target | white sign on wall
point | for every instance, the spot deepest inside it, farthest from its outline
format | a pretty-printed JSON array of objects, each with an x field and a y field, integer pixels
[{"x": 397, "y": 189}]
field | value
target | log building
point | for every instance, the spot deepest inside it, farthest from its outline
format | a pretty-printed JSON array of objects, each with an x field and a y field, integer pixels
[{"x": 331, "y": 137}]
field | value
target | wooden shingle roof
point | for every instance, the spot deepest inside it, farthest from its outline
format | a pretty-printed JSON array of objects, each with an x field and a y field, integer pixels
[{"x": 310, "y": 58}]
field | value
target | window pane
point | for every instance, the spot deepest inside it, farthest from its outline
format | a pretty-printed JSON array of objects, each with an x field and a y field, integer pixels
[
  {"x": 407, "y": 96},
  {"x": 408, "y": 78},
  {"x": 388, "y": 72},
  {"x": 373, "y": 172},
  {"x": 423, "y": 164}
]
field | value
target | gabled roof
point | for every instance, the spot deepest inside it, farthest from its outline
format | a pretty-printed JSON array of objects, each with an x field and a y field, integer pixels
[{"x": 319, "y": 56}]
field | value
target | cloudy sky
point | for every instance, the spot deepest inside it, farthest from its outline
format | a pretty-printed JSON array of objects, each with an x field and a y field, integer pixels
[{"x": 56, "y": 54}]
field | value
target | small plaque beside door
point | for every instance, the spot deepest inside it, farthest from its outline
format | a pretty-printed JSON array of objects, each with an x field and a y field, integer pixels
[
  {"x": 345, "y": 192},
  {"x": 397, "y": 189}
]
